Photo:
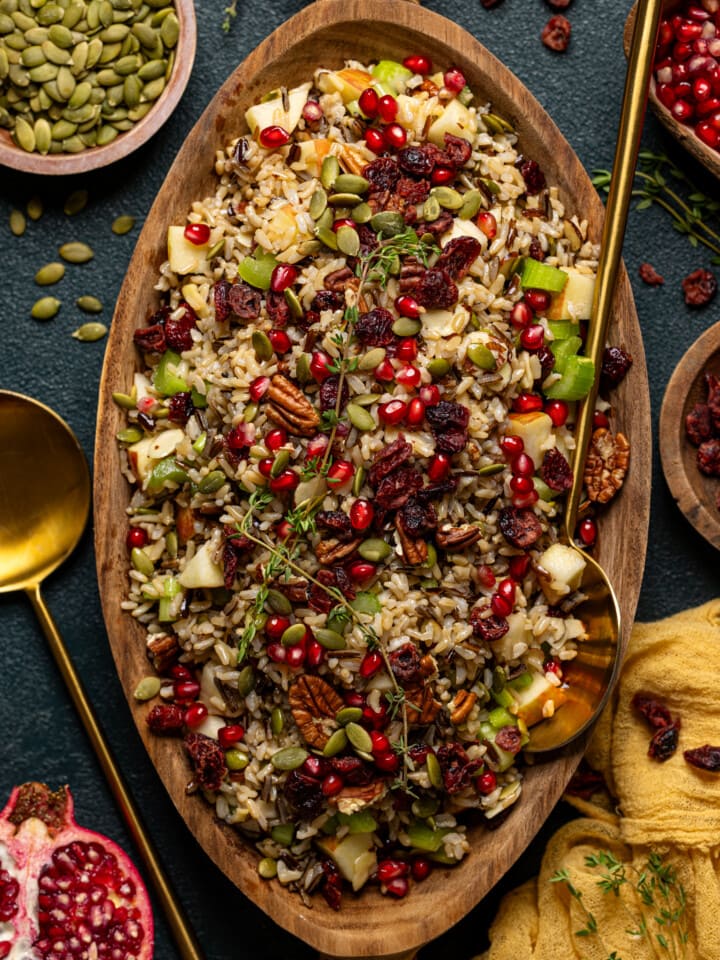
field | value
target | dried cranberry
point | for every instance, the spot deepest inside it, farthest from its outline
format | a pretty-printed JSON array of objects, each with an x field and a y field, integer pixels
[
  {"x": 448, "y": 423},
  {"x": 208, "y": 760},
  {"x": 458, "y": 256},
  {"x": 234, "y": 546},
  {"x": 382, "y": 174},
  {"x": 328, "y": 300},
  {"x": 547, "y": 361},
  {"x": 416, "y": 161},
  {"x": 332, "y": 888},
  {"x": 166, "y": 718},
  {"x": 456, "y": 766},
  {"x": 329, "y": 394},
  {"x": 436, "y": 490},
  {"x": 509, "y": 738},
  {"x": 436, "y": 290},
  {"x": 664, "y": 742},
  {"x": 457, "y": 150},
  {"x": 488, "y": 628},
  {"x": 418, "y": 752},
  {"x": 388, "y": 459},
  {"x": 648, "y": 274},
  {"x": 708, "y": 458},
  {"x": 558, "y": 4},
  {"x": 520, "y": 527},
  {"x": 413, "y": 191},
  {"x": 704, "y": 758},
  {"x": 304, "y": 795},
  {"x": 374, "y": 329},
  {"x": 556, "y": 33},
  {"x": 180, "y": 407},
  {"x": 489, "y": 4},
  {"x": 397, "y": 488},
  {"x": 151, "y": 339},
  {"x": 337, "y": 522},
  {"x": 655, "y": 712},
  {"x": 177, "y": 329},
  {"x": 556, "y": 472},
  {"x": 615, "y": 364},
  {"x": 405, "y": 663},
  {"x": 585, "y": 782},
  {"x": 418, "y": 518},
  {"x": 244, "y": 301},
  {"x": 220, "y": 299},
  {"x": 699, "y": 288},
  {"x": 277, "y": 309},
  {"x": 532, "y": 174}
]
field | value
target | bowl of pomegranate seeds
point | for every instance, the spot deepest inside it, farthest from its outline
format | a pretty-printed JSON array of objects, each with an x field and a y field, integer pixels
[
  {"x": 690, "y": 435},
  {"x": 336, "y": 428},
  {"x": 685, "y": 86}
]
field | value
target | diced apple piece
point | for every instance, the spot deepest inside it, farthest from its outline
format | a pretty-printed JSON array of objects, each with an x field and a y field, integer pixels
[
  {"x": 518, "y": 632},
  {"x": 575, "y": 301},
  {"x": 184, "y": 256},
  {"x": 202, "y": 572},
  {"x": 354, "y": 856},
  {"x": 437, "y": 324},
  {"x": 349, "y": 83},
  {"x": 535, "y": 429},
  {"x": 532, "y": 699},
  {"x": 312, "y": 153},
  {"x": 565, "y": 567},
  {"x": 455, "y": 119},
  {"x": 272, "y": 113},
  {"x": 282, "y": 230},
  {"x": 143, "y": 454}
]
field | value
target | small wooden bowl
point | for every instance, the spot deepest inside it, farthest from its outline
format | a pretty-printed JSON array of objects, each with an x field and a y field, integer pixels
[
  {"x": 696, "y": 494},
  {"x": 685, "y": 135},
  {"x": 60, "y": 164}
]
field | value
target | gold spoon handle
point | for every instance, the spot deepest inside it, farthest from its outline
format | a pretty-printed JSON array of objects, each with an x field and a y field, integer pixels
[
  {"x": 642, "y": 52},
  {"x": 184, "y": 937}
]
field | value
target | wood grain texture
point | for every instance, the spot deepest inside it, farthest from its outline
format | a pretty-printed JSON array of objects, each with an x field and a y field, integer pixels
[
  {"x": 61, "y": 164},
  {"x": 685, "y": 135},
  {"x": 327, "y": 33},
  {"x": 696, "y": 494}
]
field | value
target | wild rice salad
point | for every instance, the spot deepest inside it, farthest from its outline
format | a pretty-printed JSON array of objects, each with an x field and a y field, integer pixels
[{"x": 348, "y": 442}]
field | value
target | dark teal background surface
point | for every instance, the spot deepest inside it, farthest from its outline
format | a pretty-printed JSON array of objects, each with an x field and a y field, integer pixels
[{"x": 40, "y": 735}]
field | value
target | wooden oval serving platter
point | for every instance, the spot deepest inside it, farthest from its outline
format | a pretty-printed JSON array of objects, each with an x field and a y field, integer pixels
[
  {"x": 696, "y": 494},
  {"x": 327, "y": 33}
]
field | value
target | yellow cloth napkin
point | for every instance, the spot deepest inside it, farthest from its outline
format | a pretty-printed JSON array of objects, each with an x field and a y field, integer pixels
[{"x": 670, "y": 808}]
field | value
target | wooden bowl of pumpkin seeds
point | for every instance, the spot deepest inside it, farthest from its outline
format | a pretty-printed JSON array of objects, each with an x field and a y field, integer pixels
[{"x": 85, "y": 82}]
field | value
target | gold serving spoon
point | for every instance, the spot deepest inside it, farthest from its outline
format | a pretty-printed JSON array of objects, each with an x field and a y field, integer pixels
[
  {"x": 44, "y": 506},
  {"x": 591, "y": 674}
]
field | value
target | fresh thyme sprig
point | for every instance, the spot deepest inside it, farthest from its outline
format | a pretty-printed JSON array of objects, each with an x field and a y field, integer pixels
[
  {"x": 382, "y": 262},
  {"x": 230, "y": 14},
  {"x": 692, "y": 216},
  {"x": 662, "y": 916}
]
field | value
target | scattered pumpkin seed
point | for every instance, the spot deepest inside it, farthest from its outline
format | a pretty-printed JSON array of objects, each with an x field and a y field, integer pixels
[
  {"x": 293, "y": 635},
  {"x": 76, "y": 202},
  {"x": 277, "y": 721},
  {"x": 125, "y": 400},
  {"x": 350, "y": 183},
  {"x": 262, "y": 346},
  {"x": 359, "y": 417},
  {"x": 236, "y": 760},
  {"x": 90, "y": 332},
  {"x": 448, "y": 198},
  {"x": 329, "y": 171},
  {"x": 337, "y": 742},
  {"x": 344, "y": 199},
  {"x": 438, "y": 368},
  {"x": 282, "y": 459},
  {"x": 490, "y": 469},
  {"x": 49, "y": 274},
  {"x": 302, "y": 368},
  {"x": 148, "y": 688},
  {"x": 89, "y": 304},
  {"x": 434, "y": 771},
  {"x": 431, "y": 209},
  {"x": 374, "y": 549},
  {"x": 246, "y": 681},
  {"x": 329, "y": 639},
  {"x": 482, "y": 356},
  {"x": 267, "y": 868},
  {"x": 212, "y": 482},
  {"x": 348, "y": 715},
  {"x": 289, "y": 758},
  {"x": 129, "y": 435},
  {"x": 358, "y": 737},
  {"x": 17, "y": 223},
  {"x": 327, "y": 236},
  {"x": 472, "y": 201},
  {"x": 318, "y": 204},
  {"x": 293, "y": 301},
  {"x": 358, "y": 481},
  {"x": 388, "y": 222},
  {"x": 141, "y": 562},
  {"x": 406, "y": 327},
  {"x": 348, "y": 241},
  {"x": 45, "y": 308},
  {"x": 122, "y": 225},
  {"x": 371, "y": 359},
  {"x": 362, "y": 213},
  {"x": 249, "y": 413},
  {"x": 76, "y": 252},
  {"x": 278, "y": 602}
]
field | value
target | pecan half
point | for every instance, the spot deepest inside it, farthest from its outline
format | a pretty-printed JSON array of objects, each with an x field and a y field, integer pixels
[
  {"x": 295, "y": 590},
  {"x": 313, "y": 704},
  {"x": 422, "y": 707},
  {"x": 163, "y": 651},
  {"x": 329, "y": 552},
  {"x": 356, "y": 797},
  {"x": 290, "y": 408},
  {"x": 415, "y": 552},
  {"x": 606, "y": 465},
  {"x": 457, "y": 538},
  {"x": 461, "y": 706}
]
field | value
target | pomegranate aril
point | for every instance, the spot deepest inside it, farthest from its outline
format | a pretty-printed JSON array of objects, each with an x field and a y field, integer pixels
[
  {"x": 532, "y": 337},
  {"x": 518, "y": 566},
  {"x": 558, "y": 412},
  {"x": 523, "y": 500},
  {"x": 341, "y": 472},
  {"x": 486, "y": 783},
  {"x": 418, "y": 63},
  {"x": 280, "y": 341},
  {"x": 398, "y": 887},
  {"x": 682, "y": 111},
  {"x": 395, "y": 136},
  {"x": 666, "y": 94},
  {"x": 368, "y": 102},
  {"x": 587, "y": 531},
  {"x": 241, "y": 436},
  {"x": 229, "y": 735},
  {"x": 527, "y": 403},
  {"x": 283, "y": 276},
  {"x": 320, "y": 364},
  {"x": 315, "y": 767},
  {"x": 362, "y": 513},
  {"x": 454, "y": 80},
  {"x": 316, "y": 446},
  {"x": 392, "y": 412},
  {"x": 521, "y": 484},
  {"x": 522, "y": 465},
  {"x": 697, "y": 13},
  {"x": 600, "y": 420},
  {"x": 407, "y": 306},
  {"x": 375, "y": 140},
  {"x": 295, "y": 656},
  {"x": 285, "y": 483},
  {"x": 380, "y": 743},
  {"x": 384, "y": 371},
  {"x": 343, "y": 222},
  {"x": 442, "y": 175},
  {"x": 195, "y": 715},
  {"x": 707, "y": 133},
  {"x": 275, "y": 439},
  {"x": 332, "y": 785},
  {"x": 538, "y": 300},
  {"x": 500, "y": 606},
  {"x": 186, "y": 690},
  {"x": 180, "y": 672},
  {"x": 276, "y": 625},
  {"x": 277, "y": 652},
  {"x": 258, "y": 388},
  {"x": 521, "y": 315},
  {"x": 197, "y": 233},
  {"x": 273, "y": 137},
  {"x": 387, "y": 762},
  {"x": 680, "y": 52},
  {"x": 315, "y": 653},
  {"x": 136, "y": 538},
  {"x": 283, "y": 529},
  {"x": 486, "y": 577},
  {"x": 487, "y": 223},
  {"x": 312, "y": 111},
  {"x": 370, "y": 664},
  {"x": 506, "y": 589},
  {"x": 688, "y": 31},
  {"x": 354, "y": 699},
  {"x": 416, "y": 412},
  {"x": 430, "y": 395},
  {"x": 361, "y": 571},
  {"x": 407, "y": 350},
  {"x": 387, "y": 108},
  {"x": 391, "y": 869},
  {"x": 707, "y": 107},
  {"x": 701, "y": 88},
  {"x": 439, "y": 467},
  {"x": 408, "y": 376},
  {"x": 421, "y": 868},
  {"x": 511, "y": 445},
  {"x": 265, "y": 466}
]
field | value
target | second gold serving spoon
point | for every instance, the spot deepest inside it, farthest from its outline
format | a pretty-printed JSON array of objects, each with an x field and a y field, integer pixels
[
  {"x": 591, "y": 674},
  {"x": 44, "y": 506}
]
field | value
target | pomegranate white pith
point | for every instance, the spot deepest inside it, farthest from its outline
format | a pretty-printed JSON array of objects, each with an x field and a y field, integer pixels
[{"x": 66, "y": 893}]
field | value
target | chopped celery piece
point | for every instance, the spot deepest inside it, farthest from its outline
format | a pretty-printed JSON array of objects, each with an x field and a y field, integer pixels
[
  {"x": 283, "y": 833},
  {"x": 166, "y": 470},
  {"x": 562, "y": 329},
  {"x": 391, "y": 74},
  {"x": 199, "y": 400},
  {"x": 575, "y": 382},
  {"x": 366, "y": 603},
  {"x": 500, "y": 717},
  {"x": 503, "y": 698},
  {"x": 167, "y": 610},
  {"x": 257, "y": 269},
  {"x": 521, "y": 682},
  {"x": 423, "y": 837},
  {"x": 539, "y": 276},
  {"x": 361, "y": 822},
  {"x": 562, "y": 350},
  {"x": 167, "y": 380}
]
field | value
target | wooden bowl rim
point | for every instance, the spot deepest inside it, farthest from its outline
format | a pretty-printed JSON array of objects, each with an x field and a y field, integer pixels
[
  {"x": 685, "y": 136},
  {"x": 92, "y": 158},
  {"x": 681, "y": 472},
  {"x": 364, "y": 928}
]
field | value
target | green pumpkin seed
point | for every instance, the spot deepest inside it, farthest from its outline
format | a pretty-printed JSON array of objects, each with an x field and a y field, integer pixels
[
  {"x": 490, "y": 469},
  {"x": 129, "y": 435},
  {"x": 106, "y": 13},
  {"x": 362, "y": 213},
  {"x": 60, "y": 36},
  {"x": 293, "y": 635},
  {"x": 73, "y": 145},
  {"x": 277, "y": 721},
  {"x": 50, "y": 13},
  {"x": 94, "y": 52},
  {"x": 293, "y": 301},
  {"x": 359, "y": 417},
  {"x": 138, "y": 112},
  {"x": 22, "y": 20},
  {"x": 406, "y": 327},
  {"x": 329, "y": 171},
  {"x": 4, "y": 64},
  {"x": 90, "y": 332},
  {"x": 170, "y": 30},
  {"x": 236, "y": 760},
  {"x": 472, "y": 201},
  {"x": 350, "y": 183},
  {"x": 337, "y": 742},
  {"x": 282, "y": 459},
  {"x": 434, "y": 772},
  {"x": 35, "y": 208},
  {"x": 151, "y": 70},
  {"x": 358, "y": 737},
  {"x": 127, "y": 65},
  {"x": 76, "y": 252},
  {"x": 16, "y": 41},
  {"x": 153, "y": 89},
  {"x": 375, "y": 549},
  {"x": 330, "y": 639},
  {"x": 262, "y": 346},
  {"x": 448, "y": 198},
  {"x": 43, "y": 73},
  {"x": 122, "y": 225},
  {"x": 126, "y": 400},
  {"x": 148, "y": 688},
  {"x": 115, "y": 33},
  {"x": 267, "y": 868},
  {"x": 83, "y": 114},
  {"x": 327, "y": 236},
  {"x": 482, "y": 356},
  {"x": 18, "y": 76},
  {"x": 246, "y": 681},
  {"x": 37, "y": 35},
  {"x": 7, "y": 24},
  {"x": 302, "y": 368},
  {"x": 79, "y": 57},
  {"x": 89, "y": 304},
  {"x": 80, "y": 95},
  {"x": 49, "y": 274},
  {"x": 65, "y": 83},
  {"x": 388, "y": 222},
  {"x": 318, "y": 204},
  {"x": 290, "y": 758},
  {"x": 348, "y": 241},
  {"x": 110, "y": 52},
  {"x": 212, "y": 482},
  {"x": 373, "y": 358},
  {"x": 93, "y": 14},
  {"x": 496, "y": 124},
  {"x": 145, "y": 34},
  {"x": 278, "y": 602},
  {"x": 32, "y": 57},
  {"x": 55, "y": 54},
  {"x": 438, "y": 368},
  {"x": 365, "y": 399},
  {"x": 24, "y": 135},
  {"x": 344, "y": 199},
  {"x": 348, "y": 715},
  {"x": 250, "y": 412},
  {"x": 358, "y": 481},
  {"x": 17, "y": 223},
  {"x": 74, "y": 12},
  {"x": 75, "y": 202}
]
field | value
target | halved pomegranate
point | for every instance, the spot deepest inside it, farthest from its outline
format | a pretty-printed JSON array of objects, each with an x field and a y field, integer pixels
[{"x": 66, "y": 892}]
